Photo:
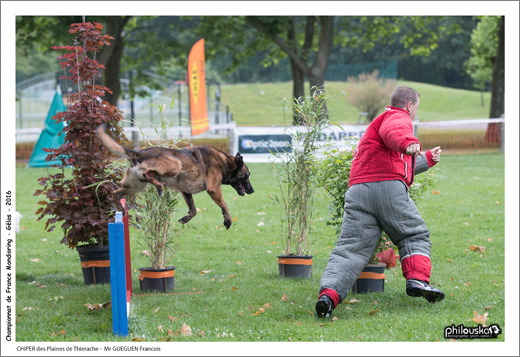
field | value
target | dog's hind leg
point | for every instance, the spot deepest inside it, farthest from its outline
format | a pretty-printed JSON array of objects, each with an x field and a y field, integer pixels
[
  {"x": 150, "y": 175},
  {"x": 130, "y": 185},
  {"x": 192, "y": 211}
]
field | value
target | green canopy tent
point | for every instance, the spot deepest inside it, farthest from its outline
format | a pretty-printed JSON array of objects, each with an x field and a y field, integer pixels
[{"x": 49, "y": 138}]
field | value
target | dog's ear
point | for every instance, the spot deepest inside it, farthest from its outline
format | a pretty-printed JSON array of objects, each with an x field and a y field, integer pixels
[{"x": 239, "y": 160}]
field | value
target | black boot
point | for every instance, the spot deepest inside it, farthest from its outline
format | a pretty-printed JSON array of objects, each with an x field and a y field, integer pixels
[
  {"x": 417, "y": 288},
  {"x": 324, "y": 307}
]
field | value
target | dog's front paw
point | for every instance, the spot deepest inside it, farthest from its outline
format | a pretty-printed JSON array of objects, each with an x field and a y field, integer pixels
[
  {"x": 159, "y": 191},
  {"x": 227, "y": 223},
  {"x": 185, "y": 219}
]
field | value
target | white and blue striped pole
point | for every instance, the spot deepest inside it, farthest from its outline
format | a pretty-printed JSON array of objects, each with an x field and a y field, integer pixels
[{"x": 116, "y": 243}]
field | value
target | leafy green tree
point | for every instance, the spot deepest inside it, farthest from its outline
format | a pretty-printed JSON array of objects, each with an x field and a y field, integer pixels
[
  {"x": 46, "y": 31},
  {"x": 144, "y": 42},
  {"x": 484, "y": 42},
  {"x": 486, "y": 64}
]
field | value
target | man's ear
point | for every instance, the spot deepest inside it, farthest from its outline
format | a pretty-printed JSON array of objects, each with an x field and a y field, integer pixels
[{"x": 239, "y": 160}]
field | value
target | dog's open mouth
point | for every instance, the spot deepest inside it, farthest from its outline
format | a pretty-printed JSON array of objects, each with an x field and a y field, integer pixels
[{"x": 240, "y": 189}]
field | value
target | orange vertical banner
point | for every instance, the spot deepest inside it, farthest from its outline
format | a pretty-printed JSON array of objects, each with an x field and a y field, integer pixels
[{"x": 197, "y": 84}]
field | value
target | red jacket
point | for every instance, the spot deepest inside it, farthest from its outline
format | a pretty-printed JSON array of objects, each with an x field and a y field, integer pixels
[{"x": 380, "y": 154}]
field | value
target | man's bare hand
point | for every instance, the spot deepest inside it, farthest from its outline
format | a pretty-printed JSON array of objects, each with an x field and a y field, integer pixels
[
  {"x": 413, "y": 150},
  {"x": 436, "y": 154}
]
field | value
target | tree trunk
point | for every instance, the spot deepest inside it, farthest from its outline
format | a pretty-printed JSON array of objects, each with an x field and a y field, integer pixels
[
  {"x": 110, "y": 56},
  {"x": 316, "y": 73},
  {"x": 497, "y": 89},
  {"x": 297, "y": 74}
]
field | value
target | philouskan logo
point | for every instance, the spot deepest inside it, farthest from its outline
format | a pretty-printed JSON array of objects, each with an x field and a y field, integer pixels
[
  {"x": 264, "y": 144},
  {"x": 463, "y": 332}
]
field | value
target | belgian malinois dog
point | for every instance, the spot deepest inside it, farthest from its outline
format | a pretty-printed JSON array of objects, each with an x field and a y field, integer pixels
[{"x": 188, "y": 170}]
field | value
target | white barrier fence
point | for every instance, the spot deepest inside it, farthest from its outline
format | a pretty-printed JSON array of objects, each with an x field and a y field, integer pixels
[{"x": 255, "y": 143}]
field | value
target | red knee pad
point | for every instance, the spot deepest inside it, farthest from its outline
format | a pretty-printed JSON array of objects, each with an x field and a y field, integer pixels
[
  {"x": 332, "y": 294},
  {"x": 417, "y": 267}
]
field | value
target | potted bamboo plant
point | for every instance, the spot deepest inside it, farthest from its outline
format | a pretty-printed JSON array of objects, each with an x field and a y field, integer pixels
[
  {"x": 155, "y": 221},
  {"x": 298, "y": 185},
  {"x": 332, "y": 173},
  {"x": 157, "y": 232},
  {"x": 83, "y": 210}
]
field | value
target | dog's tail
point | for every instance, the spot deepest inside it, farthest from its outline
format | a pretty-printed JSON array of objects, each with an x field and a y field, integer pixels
[{"x": 114, "y": 147}]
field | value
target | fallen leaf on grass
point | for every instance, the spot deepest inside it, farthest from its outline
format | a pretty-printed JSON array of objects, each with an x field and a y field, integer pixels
[
  {"x": 185, "y": 315},
  {"x": 239, "y": 262},
  {"x": 234, "y": 219},
  {"x": 322, "y": 325},
  {"x": 477, "y": 248},
  {"x": 348, "y": 308},
  {"x": 435, "y": 192},
  {"x": 170, "y": 332},
  {"x": 260, "y": 213},
  {"x": 138, "y": 339},
  {"x": 488, "y": 307},
  {"x": 284, "y": 297},
  {"x": 35, "y": 260},
  {"x": 234, "y": 288},
  {"x": 268, "y": 305},
  {"x": 160, "y": 329},
  {"x": 289, "y": 339},
  {"x": 480, "y": 319},
  {"x": 497, "y": 202},
  {"x": 260, "y": 224},
  {"x": 335, "y": 318},
  {"x": 185, "y": 330},
  {"x": 154, "y": 311},
  {"x": 465, "y": 224},
  {"x": 56, "y": 298},
  {"x": 32, "y": 282},
  {"x": 467, "y": 284},
  {"x": 146, "y": 253},
  {"x": 41, "y": 286},
  {"x": 27, "y": 308},
  {"x": 352, "y": 301},
  {"x": 204, "y": 272},
  {"x": 91, "y": 307},
  {"x": 172, "y": 318},
  {"x": 373, "y": 312},
  {"x": 45, "y": 240},
  {"x": 298, "y": 323}
]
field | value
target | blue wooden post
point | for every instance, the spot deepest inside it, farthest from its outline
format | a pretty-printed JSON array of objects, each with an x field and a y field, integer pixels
[{"x": 116, "y": 238}]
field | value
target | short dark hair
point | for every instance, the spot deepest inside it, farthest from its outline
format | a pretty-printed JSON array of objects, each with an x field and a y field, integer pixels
[{"x": 403, "y": 95}]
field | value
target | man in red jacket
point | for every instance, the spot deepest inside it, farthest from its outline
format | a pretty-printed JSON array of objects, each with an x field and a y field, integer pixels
[{"x": 386, "y": 159}]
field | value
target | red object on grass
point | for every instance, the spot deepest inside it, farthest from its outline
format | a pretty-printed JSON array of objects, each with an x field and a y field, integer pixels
[
  {"x": 388, "y": 256},
  {"x": 127, "y": 253}
]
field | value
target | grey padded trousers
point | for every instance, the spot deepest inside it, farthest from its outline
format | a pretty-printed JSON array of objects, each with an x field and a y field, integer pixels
[{"x": 369, "y": 208}]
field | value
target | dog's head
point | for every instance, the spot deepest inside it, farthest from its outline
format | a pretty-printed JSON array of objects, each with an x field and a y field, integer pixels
[{"x": 240, "y": 177}]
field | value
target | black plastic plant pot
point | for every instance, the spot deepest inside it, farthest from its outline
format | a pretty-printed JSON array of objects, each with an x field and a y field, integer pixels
[
  {"x": 158, "y": 280},
  {"x": 95, "y": 262},
  {"x": 294, "y": 266},
  {"x": 371, "y": 279}
]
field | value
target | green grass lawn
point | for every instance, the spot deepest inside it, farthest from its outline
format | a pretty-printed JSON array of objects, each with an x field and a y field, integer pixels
[
  {"x": 251, "y": 108},
  {"x": 244, "y": 274}
]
